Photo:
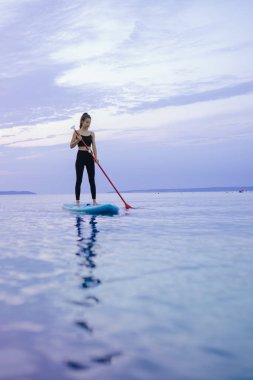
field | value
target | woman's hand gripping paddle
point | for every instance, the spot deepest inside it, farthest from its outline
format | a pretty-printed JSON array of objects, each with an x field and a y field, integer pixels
[{"x": 94, "y": 158}]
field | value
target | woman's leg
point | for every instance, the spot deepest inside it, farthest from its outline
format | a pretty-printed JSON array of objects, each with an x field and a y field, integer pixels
[
  {"x": 90, "y": 167},
  {"x": 79, "y": 175}
]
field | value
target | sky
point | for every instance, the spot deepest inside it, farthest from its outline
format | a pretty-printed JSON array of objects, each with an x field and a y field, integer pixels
[{"x": 168, "y": 84}]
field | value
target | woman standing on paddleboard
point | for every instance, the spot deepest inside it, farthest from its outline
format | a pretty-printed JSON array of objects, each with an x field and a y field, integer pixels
[{"x": 84, "y": 158}]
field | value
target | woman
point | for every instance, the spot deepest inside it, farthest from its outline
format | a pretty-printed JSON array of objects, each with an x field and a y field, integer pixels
[{"x": 84, "y": 158}]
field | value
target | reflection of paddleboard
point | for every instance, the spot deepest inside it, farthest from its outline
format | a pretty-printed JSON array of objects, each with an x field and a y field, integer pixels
[{"x": 93, "y": 210}]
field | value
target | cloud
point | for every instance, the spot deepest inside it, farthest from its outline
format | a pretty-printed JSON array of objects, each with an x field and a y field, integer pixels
[
  {"x": 37, "y": 135},
  {"x": 29, "y": 157},
  {"x": 222, "y": 119},
  {"x": 95, "y": 30},
  {"x": 10, "y": 11},
  {"x": 134, "y": 66},
  {"x": 218, "y": 93},
  {"x": 6, "y": 173},
  {"x": 167, "y": 53}
]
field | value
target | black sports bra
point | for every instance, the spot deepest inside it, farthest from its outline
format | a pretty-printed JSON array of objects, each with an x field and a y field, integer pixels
[{"x": 86, "y": 139}]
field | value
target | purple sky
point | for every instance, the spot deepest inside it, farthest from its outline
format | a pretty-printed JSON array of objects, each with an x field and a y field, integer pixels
[{"x": 169, "y": 86}]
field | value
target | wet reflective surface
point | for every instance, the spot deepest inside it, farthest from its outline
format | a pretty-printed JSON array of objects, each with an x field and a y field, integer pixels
[{"x": 160, "y": 292}]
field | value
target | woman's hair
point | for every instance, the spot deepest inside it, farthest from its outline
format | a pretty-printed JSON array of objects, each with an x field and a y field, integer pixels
[{"x": 83, "y": 117}]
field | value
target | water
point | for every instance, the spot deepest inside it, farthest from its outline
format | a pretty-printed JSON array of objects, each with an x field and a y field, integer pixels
[{"x": 160, "y": 292}]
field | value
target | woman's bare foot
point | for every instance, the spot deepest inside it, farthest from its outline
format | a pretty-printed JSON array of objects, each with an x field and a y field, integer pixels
[
  {"x": 77, "y": 203},
  {"x": 95, "y": 202}
]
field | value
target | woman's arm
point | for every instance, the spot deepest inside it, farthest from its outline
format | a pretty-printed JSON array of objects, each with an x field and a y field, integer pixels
[
  {"x": 74, "y": 141},
  {"x": 94, "y": 147}
]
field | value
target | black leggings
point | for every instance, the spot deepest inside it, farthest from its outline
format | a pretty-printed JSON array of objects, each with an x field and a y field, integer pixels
[{"x": 83, "y": 159}]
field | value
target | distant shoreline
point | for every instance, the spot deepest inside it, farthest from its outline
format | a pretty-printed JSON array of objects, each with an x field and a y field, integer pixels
[
  {"x": 193, "y": 190},
  {"x": 16, "y": 193},
  {"x": 178, "y": 190}
]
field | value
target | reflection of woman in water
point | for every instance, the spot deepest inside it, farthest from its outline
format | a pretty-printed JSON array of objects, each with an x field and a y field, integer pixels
[
  {"x": 86, "y": 253},
  {"x": 86, "y": 250}
]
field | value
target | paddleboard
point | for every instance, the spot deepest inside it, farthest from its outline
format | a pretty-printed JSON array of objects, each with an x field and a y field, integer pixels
[{"x": 106, "y": 209}]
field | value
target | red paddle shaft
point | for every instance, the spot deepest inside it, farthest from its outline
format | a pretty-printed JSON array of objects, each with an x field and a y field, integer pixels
[{"x": 94, "y": 158}]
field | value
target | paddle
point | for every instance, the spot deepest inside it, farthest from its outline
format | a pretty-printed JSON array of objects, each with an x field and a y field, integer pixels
[{"x": 94, "y": 158}]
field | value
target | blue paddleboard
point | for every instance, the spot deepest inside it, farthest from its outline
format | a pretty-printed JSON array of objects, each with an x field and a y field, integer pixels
[{"x": 93, "y": 210}]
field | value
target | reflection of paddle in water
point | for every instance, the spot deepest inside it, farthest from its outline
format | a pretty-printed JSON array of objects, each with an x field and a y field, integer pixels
[{"x": 87, "y": 251}]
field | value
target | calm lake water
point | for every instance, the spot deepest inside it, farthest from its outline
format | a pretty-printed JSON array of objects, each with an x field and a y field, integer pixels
[{"x": 164, "y": 291}]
